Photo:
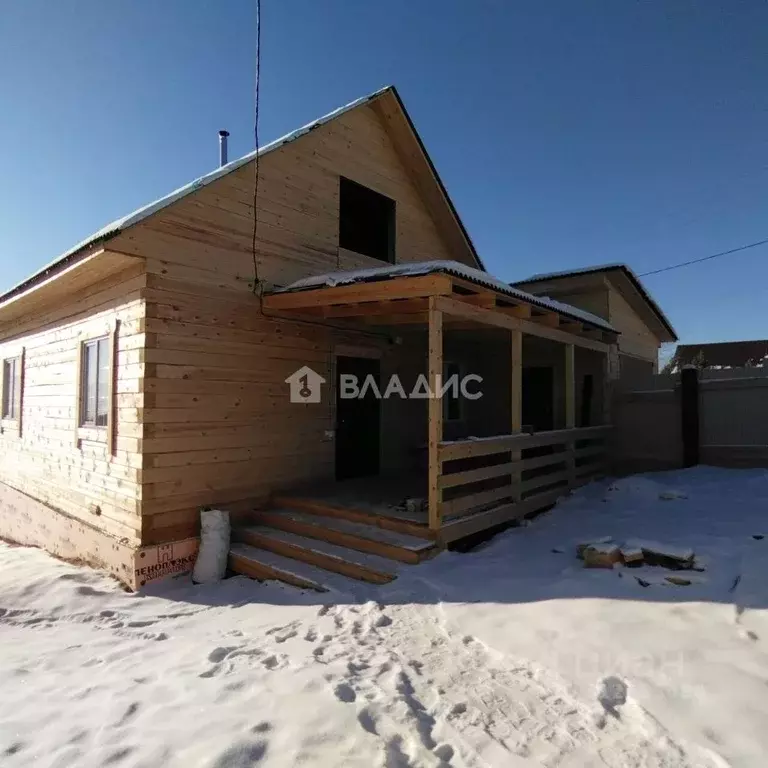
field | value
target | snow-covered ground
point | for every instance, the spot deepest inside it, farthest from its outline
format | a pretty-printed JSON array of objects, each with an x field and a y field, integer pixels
[{"x": 513, "y": 655}]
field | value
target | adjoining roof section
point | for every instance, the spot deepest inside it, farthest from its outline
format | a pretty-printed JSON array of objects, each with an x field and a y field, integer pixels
[
  {"x": 120, "y": 225},
  {"x": 453, "y": 268},
  {"x": 667, "y": 332}
]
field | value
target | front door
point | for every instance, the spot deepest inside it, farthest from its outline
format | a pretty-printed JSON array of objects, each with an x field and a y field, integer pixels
[
  {"x": 538, "y": 398},
  {"x": 358, "y": 420}
]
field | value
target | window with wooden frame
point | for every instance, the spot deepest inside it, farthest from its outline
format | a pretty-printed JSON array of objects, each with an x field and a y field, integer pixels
[
  {"x": 95, "y": 375},
  {"x": 366, "y": 221},
  {"x": 12, "y": 388}
]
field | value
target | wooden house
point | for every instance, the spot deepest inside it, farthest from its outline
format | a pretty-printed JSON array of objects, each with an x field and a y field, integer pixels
[
  {"x": 147, "y": 372},
  {"x": 615, "y": 293}
]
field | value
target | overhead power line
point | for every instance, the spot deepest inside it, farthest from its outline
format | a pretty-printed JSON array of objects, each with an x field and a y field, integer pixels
[
  {"x": 704, "y": 258},
  {"x": 256, "y": 279}
]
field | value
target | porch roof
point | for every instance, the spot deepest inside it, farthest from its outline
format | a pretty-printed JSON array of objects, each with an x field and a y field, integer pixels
[
  {"x": 404, "y": 293},
  {"x": 451, "y": 268}
]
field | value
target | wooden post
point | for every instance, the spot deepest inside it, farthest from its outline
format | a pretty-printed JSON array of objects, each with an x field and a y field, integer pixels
[
  {"x": 78, "y": 393},
  {"x": 435, "y": 373},
  {"x": 570, "y": 410},
  {"x": 516, "y": 404},
  {"x": 610, "y": 373},
  {"x": 22, "y": 367},
  {"x": 570, "y": 387},
  {"x": 113, "y": 338},
  {"x": 689, "y": 415}
]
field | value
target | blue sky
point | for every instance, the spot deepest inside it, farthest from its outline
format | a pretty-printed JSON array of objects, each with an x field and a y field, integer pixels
[{"x": 568, "y": 133}]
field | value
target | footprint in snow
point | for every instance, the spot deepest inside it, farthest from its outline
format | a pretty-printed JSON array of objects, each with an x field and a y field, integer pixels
[
  {"x": 345, "y": 693},
  {"x": 274, "y": 661},
  {"x": 612, "y": 693}
]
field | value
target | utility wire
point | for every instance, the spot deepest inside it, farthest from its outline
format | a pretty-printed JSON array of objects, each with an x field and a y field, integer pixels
[
  {"x": 256, "y": 280},
  {"x": 704, "y": 258}
]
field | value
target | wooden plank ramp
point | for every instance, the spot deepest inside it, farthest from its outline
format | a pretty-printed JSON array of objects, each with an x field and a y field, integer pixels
[{"x": 303, "y": 548}]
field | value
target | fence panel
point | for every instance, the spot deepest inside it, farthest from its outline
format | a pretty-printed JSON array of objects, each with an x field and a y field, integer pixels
[{"x": 733, "y": 420}]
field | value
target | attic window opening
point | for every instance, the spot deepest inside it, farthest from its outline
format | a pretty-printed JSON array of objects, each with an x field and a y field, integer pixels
[{"x": 366, "y": 221}]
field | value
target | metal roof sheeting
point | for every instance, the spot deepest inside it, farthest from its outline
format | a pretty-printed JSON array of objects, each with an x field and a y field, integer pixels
[
  {"x": 454, "y": 268},
  {"x": 617, "y": 267}
]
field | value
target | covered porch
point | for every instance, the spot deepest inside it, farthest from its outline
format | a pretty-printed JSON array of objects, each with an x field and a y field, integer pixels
[{"x": 453, "y": 466}]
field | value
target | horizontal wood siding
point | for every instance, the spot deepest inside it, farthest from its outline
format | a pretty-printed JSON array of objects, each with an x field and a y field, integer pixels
[
  {"x": 218, "y": 424},
  {"x": 44, "y": 460},
  {"x": 219, "y": 427},
  {"x": 636, "y": 338},
  {"x": 207, "y": 236}
]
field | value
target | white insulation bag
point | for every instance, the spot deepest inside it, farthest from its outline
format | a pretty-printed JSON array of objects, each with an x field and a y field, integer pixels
[{"x": 211, "y": 563}]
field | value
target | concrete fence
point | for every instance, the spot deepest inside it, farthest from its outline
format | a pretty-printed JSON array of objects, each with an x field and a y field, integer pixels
[{"x": 667, "y": 421}]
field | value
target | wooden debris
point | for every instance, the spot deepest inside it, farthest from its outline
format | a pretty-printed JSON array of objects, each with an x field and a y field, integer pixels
[
  {"x": 591, "y": 543},
  {"x": 633, "y": 556},
  {"x": 602, "y": 556},
  {"x": 678, "y": 581},
  {"x": 673, "y": 558},
  {"x": 672, "y": 495}
]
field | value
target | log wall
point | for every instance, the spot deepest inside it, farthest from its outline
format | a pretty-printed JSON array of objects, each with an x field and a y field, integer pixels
[
  {"x": 44, "y": 454},
  {"x": 219, "y": 428}
]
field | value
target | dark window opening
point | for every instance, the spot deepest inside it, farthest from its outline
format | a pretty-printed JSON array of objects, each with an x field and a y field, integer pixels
[
  {"x": 366, "y": 221},
  {"x": 587, "y": 392}
]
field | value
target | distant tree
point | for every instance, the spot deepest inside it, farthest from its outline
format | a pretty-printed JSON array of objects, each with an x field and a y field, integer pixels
[{"x": 699, "y": 361}]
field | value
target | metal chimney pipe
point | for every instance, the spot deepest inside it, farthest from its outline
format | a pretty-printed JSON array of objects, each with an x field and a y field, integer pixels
[{"x": 223, "y": 147}]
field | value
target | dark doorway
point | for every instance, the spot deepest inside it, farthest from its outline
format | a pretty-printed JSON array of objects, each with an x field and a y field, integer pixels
[
  {"x": 587, "y": 392},
  {"x": 358, "y": 419},
  {"x": 538, "y": 398}
]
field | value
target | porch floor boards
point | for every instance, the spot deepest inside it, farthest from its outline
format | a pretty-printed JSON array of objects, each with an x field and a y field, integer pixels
[{"x": 379, "y": 496}]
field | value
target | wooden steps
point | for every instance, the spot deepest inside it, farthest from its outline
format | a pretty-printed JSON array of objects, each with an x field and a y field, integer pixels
[
  {"x": 353, "y": 535},
  {"x": 263, "y": 565},
  {"x": 310, "y": 550},
  {"x": 370, "y": 568},
  {"x": 329, "y": 509}
]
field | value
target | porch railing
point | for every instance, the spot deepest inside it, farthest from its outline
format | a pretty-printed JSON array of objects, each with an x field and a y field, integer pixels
[{"x": 484, "y": 473}]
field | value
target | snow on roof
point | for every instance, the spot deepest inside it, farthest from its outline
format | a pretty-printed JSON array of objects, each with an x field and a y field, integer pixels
[
  {"x": 448, "y": 267},
  {"x": 118, "y": 225},
  {"x": 568, "y": 272},
  {"x": 634, "y": 278}
]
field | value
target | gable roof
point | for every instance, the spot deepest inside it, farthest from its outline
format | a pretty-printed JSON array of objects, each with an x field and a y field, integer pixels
[
  {"x": 725, "y": 354},
  {"x": 627, "y": 279},
  {"x": 395, "y": 113}
]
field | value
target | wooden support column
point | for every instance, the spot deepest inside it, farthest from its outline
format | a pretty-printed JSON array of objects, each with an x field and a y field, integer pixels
[
  {"x": 610, "y": 374},
  {"x": 111, "y": 388},
  {"x": 22, "y": 376},
  {"x": 570, "y": 409},
  {"x": 516, "y": 403},
  {"x": 435, "y": 374}
]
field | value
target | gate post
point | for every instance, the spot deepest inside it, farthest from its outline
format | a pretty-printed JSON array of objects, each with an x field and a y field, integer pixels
[{"x": 689, "y": 415}]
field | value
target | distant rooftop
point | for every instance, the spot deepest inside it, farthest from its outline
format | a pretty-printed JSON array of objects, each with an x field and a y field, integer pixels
[{"x": 723, "y": 354}]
